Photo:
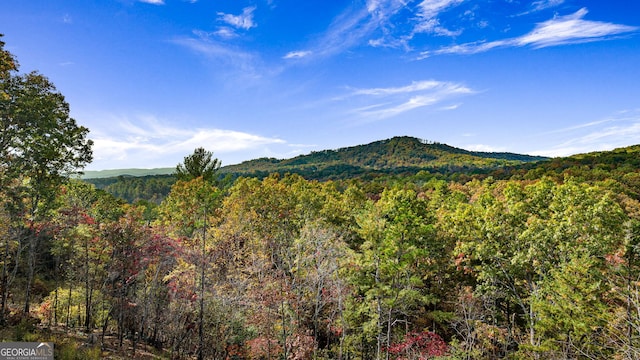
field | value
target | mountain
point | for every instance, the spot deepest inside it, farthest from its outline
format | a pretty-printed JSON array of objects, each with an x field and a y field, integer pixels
[{"x": 398, "y": 154}]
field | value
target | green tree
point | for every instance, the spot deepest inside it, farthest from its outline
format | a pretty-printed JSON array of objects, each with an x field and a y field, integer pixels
[
  {"x": 8, "y": 63},
  {"x": 199, "y": 164},
  {"x": 78, "y": 249},
  {"x": 572, "y": 310},
  {"x": 40, "y": 146},
  {"x": 399, "y": 245},
  {"x": 523, "y": 244},
  {"x": 188, "y": 212}
]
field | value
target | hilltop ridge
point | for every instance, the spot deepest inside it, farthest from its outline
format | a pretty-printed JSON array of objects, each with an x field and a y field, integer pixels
[{"x": 403, "y": 152}]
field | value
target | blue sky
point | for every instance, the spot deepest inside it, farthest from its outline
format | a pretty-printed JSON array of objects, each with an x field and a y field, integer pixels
[{"x": 154, "y": 79}]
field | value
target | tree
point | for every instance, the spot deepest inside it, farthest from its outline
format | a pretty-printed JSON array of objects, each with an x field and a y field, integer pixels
[
  {"x": 7, "y": 61},
  {"x": 40, "y": 146},
  {"x": 572, "y": 310},
  {"x": 187, "y": 212},
  {"x": 396, "y": 255},
  {"x": 78, "y": 249},
  {"x": 528, "y": 246},
  {"x": 199, "y": 164}
]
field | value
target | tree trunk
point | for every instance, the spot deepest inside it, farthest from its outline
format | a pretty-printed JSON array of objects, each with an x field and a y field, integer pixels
[
  {"x": 389, "y": 314},
  {"x": 379, "y": 313},
  {"x": 69, "y": 306},
  {"x": 202, "y": 273},
  {"x": 87, "y": 291},
  {"x": 31, "y": 260},
  {"x": 5, "y": 282}
]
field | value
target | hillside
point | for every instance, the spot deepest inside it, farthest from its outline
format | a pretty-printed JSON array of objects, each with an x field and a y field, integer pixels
[{"x": 398, "y": 154}]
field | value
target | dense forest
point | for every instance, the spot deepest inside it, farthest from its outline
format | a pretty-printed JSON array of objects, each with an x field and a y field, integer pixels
[{"x": 514, "y": 260}]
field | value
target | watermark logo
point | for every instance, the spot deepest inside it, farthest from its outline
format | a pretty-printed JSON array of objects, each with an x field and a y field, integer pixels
[{"x": 26, "y": 351}]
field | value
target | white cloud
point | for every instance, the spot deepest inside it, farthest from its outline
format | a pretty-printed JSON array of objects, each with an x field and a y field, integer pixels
[
  {"x": 374, "y": 24},
  {"x": 354, "y": 26},
  {"x": 382, "y": 103},
  {"x": 147, "y": 142},
  {"x": 225, "y": 32},
  {"x": 297, "y": 54},
  {"x": 154, "y": 2},
  {"x": 428, "y": 17},
  {"x": 545, "y": 4},
  {"x": 425, "y": 19},
  {"x": 345, "y": 31},
  {"x": 430, "y": 9},
  {"x": 541, "y": 5},
  {"x": 451, "y": 107},
  {"x": 569, "y": 29},
  {"x": 484, "y": 148},
  {"x": 242, "y": 21},
  {"x": 384, "y": 9},
  {"x": 413, "y": 87},
  {"x": 432, "y": 26}
]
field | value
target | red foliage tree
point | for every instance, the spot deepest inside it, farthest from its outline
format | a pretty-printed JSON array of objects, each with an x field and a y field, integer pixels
[{"x": 419, "y": 346}]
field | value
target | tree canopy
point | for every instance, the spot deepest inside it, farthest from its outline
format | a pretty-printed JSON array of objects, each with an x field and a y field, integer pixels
[
  {"x": 40, "y": 146},
  {"x": 199, "y": 164}
]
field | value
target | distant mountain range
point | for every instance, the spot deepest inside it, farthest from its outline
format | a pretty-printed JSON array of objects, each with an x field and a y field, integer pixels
[
  {"x": 101, "y": 174},
  {"x": 381, "y": 156}
]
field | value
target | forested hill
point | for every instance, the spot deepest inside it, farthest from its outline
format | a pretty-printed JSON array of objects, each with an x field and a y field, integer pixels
[
  {"x": 621, "y": 165},
  {"x": 625, "y": 160},
  {"x": 395, "y": 155}
]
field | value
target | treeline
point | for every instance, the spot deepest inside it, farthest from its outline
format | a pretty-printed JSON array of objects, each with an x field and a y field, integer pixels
[{"x": 151, "y": 188}]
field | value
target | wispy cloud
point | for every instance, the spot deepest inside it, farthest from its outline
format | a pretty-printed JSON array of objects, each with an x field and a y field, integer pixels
[
  {"x": 484, "y": 148},
  {"x": 225, "y": 32},
  {"x": 621, "y": 129},
  {"x": 425, "y": 20},
  {"x": 242, "y": 21},
  {"x": 428, "y": 17},
  {"x": 205, "y": 44},
  {"x": 297, "y": 54},
  {"x": 415, "y": 86},
  {"x": 545, "y": 4},
  {"x": 154, "y": 2},
  {"x": 374, "y": 24},
  {"x": 541, "y": 5},
  {"x": 451, "y": 107},
  {"x": 382, "y": 103},
  {"x": 561, "y": 30},
  {"x": 345, "y": 31},
  {"x": 148, "y": 142},
  {"x": 571, "y": 29},
  {"x": 353, "y": 27}
]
